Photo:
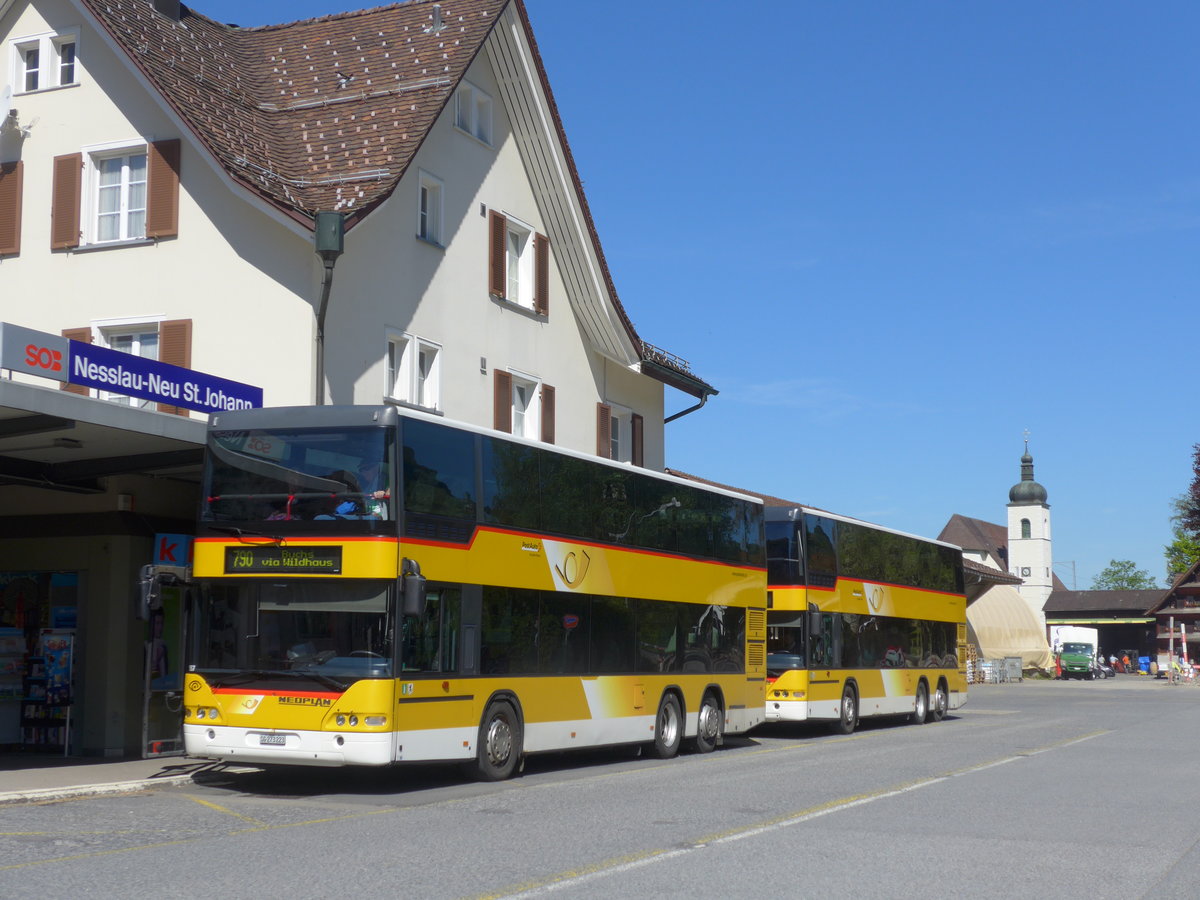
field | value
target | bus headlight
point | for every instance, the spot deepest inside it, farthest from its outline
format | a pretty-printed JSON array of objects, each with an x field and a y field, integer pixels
[
  {"x": 354, "y": 721},
  {"x": 341, "y": 720},
  {"x": 375, "y": 721}
]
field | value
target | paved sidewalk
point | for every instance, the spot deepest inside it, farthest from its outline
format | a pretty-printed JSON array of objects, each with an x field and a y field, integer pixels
[{"x": 28, "y": 779}]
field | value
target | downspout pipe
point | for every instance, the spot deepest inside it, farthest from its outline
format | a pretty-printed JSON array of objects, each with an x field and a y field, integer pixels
[
  {"x": 691, "y": 409},
  {"x": 329, "y": 237}
]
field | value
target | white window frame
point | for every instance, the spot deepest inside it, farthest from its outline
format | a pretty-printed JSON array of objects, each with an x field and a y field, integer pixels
[
  {"x": 519, "y": 275},
  {"x": 526, "y": 420},
  {"x": 49, "y": 45},
  {"x": 620, "y": 446},
  {"x": 105, "y": 331},
  {"x": 408, "y": 381},
  {"x": 94, "y": 155},
  {"x": 473, "y": 112},
  {"x": 430, "y": 194}
]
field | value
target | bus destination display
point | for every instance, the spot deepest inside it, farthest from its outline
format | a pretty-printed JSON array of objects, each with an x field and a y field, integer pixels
[{"x": 290, "y": 560}]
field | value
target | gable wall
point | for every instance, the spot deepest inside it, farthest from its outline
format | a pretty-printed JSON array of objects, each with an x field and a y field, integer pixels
[{"x": 390, "y": 279}]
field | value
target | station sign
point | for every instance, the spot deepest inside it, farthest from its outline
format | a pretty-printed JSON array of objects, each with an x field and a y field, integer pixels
[{"x": 89, "y": 365}]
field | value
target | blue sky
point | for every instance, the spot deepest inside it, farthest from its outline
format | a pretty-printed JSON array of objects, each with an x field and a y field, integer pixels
[{"x": 897, "y": 235}]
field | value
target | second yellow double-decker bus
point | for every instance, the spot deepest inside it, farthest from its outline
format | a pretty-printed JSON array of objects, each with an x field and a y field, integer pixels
[
  {"x": 862, "y": 621},
  {"x": 379, "y": 585}
]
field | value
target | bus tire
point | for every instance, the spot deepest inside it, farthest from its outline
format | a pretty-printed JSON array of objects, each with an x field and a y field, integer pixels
[
  {"x": 708, "y": 725},
  {"x": 921, "y": 706},
  {"x": 498, "y": 749},
  {"x": 848, "y": 716},
  {"x": 668, "y": 728},
  {"x": 941, "y": 703}
]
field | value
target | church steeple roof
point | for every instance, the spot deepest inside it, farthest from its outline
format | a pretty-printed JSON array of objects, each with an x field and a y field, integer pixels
[{"x": 1027, "y": 491}]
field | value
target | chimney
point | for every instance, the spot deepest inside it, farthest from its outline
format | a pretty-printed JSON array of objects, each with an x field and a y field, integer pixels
[{"x": 169, "y": 8}]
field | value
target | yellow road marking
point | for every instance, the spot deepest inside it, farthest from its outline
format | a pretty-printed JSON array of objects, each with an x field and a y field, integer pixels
[{"x": 225, "y": 810}]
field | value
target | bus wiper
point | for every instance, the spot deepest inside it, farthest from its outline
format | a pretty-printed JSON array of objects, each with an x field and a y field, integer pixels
[
  {"x": 244, "y": 677},
  {"x": 251, "y": 675},
  {"x": 320, "y": 678},
  {"x": 242, "y": 532}
]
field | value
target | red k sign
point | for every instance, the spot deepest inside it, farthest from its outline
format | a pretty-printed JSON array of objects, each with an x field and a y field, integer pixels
[{"x": 172, "y": 550}]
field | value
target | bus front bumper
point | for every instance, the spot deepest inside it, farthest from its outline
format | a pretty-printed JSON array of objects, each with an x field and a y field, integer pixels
[{"x": 296, "y": 748}]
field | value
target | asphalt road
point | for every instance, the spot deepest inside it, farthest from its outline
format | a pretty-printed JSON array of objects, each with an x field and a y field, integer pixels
[{"x": 1042, "y": 789}]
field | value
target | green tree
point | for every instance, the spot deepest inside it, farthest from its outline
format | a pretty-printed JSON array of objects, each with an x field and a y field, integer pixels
[
  {"x": 1189, "y": 503},
  {"x": 1184, "y": 550},
  {"x": 1123, "y": 575}
]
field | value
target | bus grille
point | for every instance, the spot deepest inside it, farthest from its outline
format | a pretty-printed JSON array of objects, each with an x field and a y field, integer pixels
[{"x": 756, "y": 656}]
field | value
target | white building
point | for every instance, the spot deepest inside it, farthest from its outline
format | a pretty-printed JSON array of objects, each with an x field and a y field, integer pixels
[{"x": 160, "y": 180}]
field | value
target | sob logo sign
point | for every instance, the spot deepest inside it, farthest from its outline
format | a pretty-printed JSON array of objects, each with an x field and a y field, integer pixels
[{"x": 43, "y": 358}]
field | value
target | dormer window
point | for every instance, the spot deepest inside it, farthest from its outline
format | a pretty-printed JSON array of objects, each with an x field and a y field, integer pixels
[{"x": 473, "y": 112}]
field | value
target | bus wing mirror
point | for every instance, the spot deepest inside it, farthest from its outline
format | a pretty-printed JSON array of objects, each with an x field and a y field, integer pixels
[
  {"x": 149, "y": 592},
  {"x": 814, "y": 618},
  {"x": 412, "y": 589}
]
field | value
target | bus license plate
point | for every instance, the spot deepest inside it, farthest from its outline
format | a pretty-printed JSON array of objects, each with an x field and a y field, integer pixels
[{"x": 277, "y": 740}]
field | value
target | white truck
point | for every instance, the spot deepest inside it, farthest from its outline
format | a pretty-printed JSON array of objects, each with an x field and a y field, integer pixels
[{"x": 1075, "y": 648}]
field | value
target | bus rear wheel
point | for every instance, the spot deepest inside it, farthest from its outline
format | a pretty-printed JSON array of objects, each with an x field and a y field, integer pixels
[
  {"x": 921, "y": 708},
  {"x": 941, "y": 703},
  {"x": 668, "y": 728},
  {"x": 708, "y": 725},
  {"x": 848, "y": 717},
  {"x": 498, "y": 749}
]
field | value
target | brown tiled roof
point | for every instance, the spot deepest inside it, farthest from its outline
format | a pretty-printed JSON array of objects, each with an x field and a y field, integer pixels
[
  {"x": 987, "y": 574},
  {"x": 269, "y": 104},
  {"x": 976, "y": 534},
  {"x": 1141, "y": 603}
]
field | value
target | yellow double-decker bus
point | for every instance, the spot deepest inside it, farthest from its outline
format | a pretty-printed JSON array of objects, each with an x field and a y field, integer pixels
[
  {"x": 862, "y": 621},
  {"x": 378, "y": 585}
]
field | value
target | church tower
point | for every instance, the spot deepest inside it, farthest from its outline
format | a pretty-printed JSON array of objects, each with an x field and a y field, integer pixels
[{"x": 1030, "y": 556}]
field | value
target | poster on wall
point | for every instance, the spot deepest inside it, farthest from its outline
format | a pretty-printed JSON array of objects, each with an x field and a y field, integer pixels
[{"x": 56, "y": 649}]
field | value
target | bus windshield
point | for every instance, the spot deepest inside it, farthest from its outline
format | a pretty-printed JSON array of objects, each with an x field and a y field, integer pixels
[
  {"x": 325, "y": 631},
  {"x": 298, "y": 475}
]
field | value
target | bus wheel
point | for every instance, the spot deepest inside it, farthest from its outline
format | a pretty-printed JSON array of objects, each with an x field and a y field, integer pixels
[
  {"x": 668, "y": 728},
  {"x": 921, "y": 709},
  {"x": 499, "y": 745},
  {"x": 708, "y": 725},
  {"x": 941, "y": 703},
  {"x": 849, "y": 715}
]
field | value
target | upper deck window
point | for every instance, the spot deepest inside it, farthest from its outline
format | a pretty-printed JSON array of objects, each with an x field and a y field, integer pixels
[{"x": 308, "y": 475}]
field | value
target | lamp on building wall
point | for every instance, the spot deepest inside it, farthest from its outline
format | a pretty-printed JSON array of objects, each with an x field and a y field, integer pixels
[{"x": 328, "y": 240}]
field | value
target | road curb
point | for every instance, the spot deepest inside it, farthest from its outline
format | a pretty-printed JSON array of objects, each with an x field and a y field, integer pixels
[{"x": 89, "y": 790}]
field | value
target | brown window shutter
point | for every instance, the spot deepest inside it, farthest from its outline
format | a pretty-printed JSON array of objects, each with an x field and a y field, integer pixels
[
  {"x": 64, "y": 208},
  {"x": 603, "y": 430},
  {"x": 502, "y": 402},
  {"x": 162, "y": 189},
  {"x": 497, "y": 237},
  {"x": 636, "y": 426},
  {"x": 541, "y": 262},
  {"x": 84, "y": 336},
  {"x": 11, "y": 174},
  {"x": 547, "y": 412},
  {"x": 175, "y": 347}
]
